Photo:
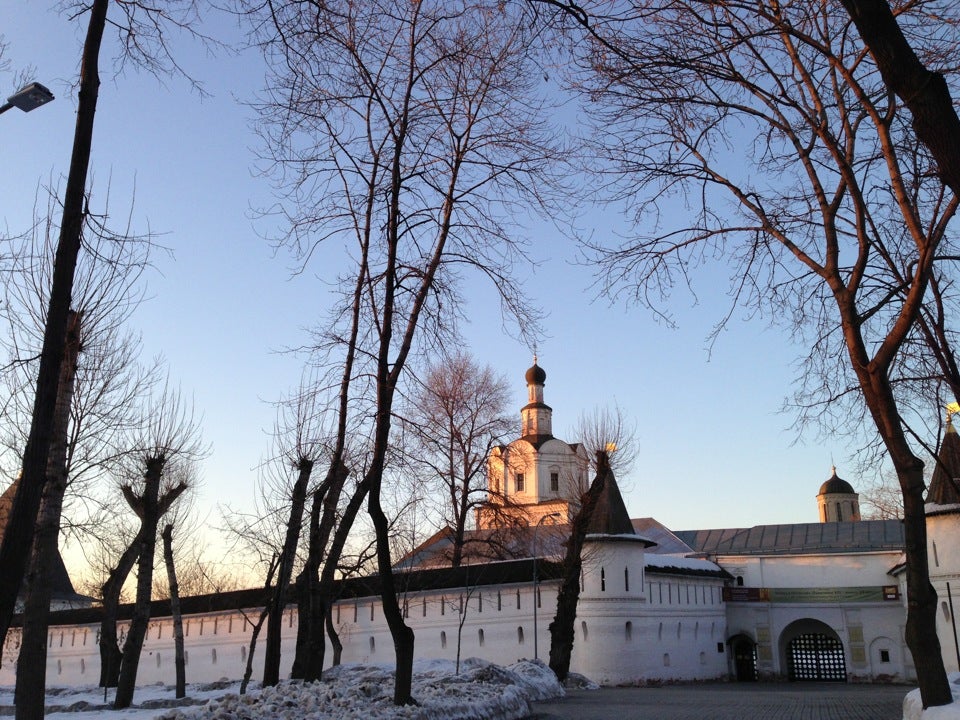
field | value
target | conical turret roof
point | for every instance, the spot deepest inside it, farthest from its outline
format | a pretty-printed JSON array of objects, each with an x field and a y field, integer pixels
[
  {"x": 58, "y": 578},
  {"x": 610, "y": 516},
  {"x": 943, "y": 488}
]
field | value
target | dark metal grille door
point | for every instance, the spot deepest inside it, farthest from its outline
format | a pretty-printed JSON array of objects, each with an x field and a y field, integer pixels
[{"x": 816, "y": 657}]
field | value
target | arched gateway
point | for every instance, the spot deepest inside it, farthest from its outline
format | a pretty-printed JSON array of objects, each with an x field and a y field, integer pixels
[{"x": 812, "y": 650}]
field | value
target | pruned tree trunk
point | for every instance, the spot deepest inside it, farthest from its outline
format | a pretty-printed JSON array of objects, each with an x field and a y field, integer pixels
[
  {"x": 311, "y": 613},
  {"x": 150, "y": 518},
  {"x": 175, "y": 614},
  {"x": 18, "y": 535},
  {"x": 110, "y": 653},
  {"x": 271, "y": 662},
  {"x": 561, "y": 628},
  {"x": 324, "y": 595},
  {"x": 31, "y": 686}
]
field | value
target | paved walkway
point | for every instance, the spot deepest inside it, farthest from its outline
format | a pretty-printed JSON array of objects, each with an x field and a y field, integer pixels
[{"x": 730, "y": 701}]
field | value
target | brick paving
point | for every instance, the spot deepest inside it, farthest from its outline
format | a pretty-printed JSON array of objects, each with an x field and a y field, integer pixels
[{"x": 730, "y": 701}]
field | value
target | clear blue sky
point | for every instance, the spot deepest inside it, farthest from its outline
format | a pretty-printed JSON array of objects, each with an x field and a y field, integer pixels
[{"x": 713, "y": 449}]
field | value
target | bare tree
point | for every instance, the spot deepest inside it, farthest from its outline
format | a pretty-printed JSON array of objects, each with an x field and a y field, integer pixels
[
  {"x": 925, "y": 92},
  {"x": 882, "y": 500},
  {"x": 423, "y": 124},
  {"x": 301, "y": 430},
  {"x": 18, "y": 536},
  {"x": 456, "y": 415},
  {"x": 606, "y": 432},
  {"x": 170, "y": 436},
  {"x": 33, "y": 651},
  {"x": 141, "y": 26},
  {"x": 835, "y": 222},
  {"x": 100, "y": 376}
]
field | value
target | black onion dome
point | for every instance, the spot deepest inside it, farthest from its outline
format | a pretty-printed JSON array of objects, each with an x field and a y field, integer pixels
[
  {"x": 536, "y": 375},
  {"x": 836, "y": 486}
]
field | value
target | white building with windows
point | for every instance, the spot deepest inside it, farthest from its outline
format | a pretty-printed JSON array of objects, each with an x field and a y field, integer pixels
[{"x": 807, "y": 601}]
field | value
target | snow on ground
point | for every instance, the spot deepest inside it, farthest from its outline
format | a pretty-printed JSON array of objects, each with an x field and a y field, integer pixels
[
  {"x": 482, "y": 691},
  {"x": 913, "y": 707}
]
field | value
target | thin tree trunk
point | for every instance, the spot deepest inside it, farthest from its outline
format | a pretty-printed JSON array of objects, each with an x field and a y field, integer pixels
[
  {"x": 271, "y": 662},
  {"x": 175, "y": 614},
  {"x": 403, "y": 637},
  {"x": 252, "y": 649},
  {"x": 31, "y": 686},
  {"x": 561, "y": 628},
  {"x": 127, "y": 681},
  {"x": 334, "y": 639},
  {"x": 18, "y": 536}
]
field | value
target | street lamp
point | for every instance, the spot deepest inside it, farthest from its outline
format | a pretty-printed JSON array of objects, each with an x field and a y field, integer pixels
[
  {"x": 28, "y": 98},
  {"x": 536, "y": 585}
]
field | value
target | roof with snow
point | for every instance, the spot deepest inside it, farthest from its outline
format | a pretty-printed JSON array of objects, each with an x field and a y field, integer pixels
[{"x": 798, "y": 539}]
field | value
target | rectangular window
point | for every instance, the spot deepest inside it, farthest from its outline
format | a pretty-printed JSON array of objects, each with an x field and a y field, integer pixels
[
  {"x": 519, "y": 482},
  {"x": 554, "y": 482},
  {"x": 885, "y": 656}
]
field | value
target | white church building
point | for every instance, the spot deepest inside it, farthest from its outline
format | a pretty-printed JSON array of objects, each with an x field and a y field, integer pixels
[{"x": 809, "y": 601}]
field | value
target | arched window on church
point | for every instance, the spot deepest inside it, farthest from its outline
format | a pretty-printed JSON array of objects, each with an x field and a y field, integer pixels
[
  {"x": 628, "y": 631},
  {"x": 480, "y": 636},
  {"x": 518, "y": 598},
  {"x": 443, "y": 638},
  {"x": 583, "y": 628},
  {"x": 839, "y": 512},
  {"x": 626, "y": 579},
  {"x": 739, "y": 580},
  {"x": 520, "y": 635},
  {"x": 603, "y": 580}
]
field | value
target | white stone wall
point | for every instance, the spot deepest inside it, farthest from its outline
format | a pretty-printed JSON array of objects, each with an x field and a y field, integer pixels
[
  {"x": 943, "y": 539},
  {"x": 827, "y": 570},
  {"x": 665, "y": 641}
]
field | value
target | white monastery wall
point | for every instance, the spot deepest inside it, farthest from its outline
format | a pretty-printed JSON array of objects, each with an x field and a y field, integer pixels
[
  {"x": 619, "y": 638},
  {"x": 943, "y": 538}
]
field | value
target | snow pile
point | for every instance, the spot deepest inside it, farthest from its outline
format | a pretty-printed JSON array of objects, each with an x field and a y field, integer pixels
[
  {"x": 913, "y": 706},
  {"x": 482, "y": 691}
]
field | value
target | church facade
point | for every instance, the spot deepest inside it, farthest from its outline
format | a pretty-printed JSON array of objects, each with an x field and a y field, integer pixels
[{"x": 807, "y": 601}]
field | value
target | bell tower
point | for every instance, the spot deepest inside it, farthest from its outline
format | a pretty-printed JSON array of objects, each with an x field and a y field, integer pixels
[
  {"x": 536, "y": 416},
  {"x": 536, "y": 474}
]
